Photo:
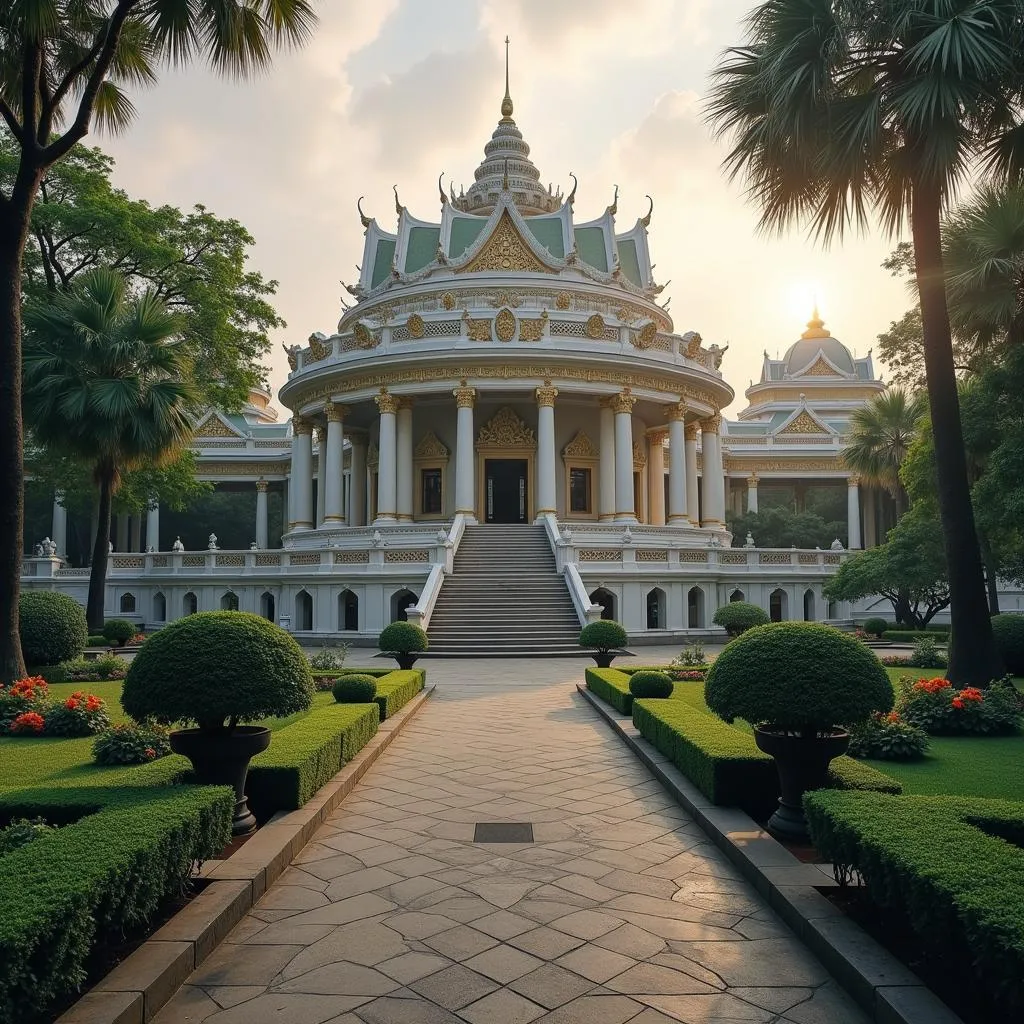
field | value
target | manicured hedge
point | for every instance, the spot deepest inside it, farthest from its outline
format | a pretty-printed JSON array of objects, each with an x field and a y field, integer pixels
[
  {"x": 940, "y": 861},
  {"x": 126, "y": 852},
  {"x": 612, "y": 686},
  {"x": 305, "y": 755},
  {"x": 396, "y": 689},
  {"x": 725, "y": 764},
  {"x": 911, "y": 636},
  {"x": 333, "y": 673}
]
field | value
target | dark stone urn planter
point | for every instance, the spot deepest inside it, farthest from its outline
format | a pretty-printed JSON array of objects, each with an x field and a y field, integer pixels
[
  {"x": 405, "y": 659},
  {"x": 604, "y": 658},
  {"x": 802, "y": 763},
  {"x": 222, "y": 759}
]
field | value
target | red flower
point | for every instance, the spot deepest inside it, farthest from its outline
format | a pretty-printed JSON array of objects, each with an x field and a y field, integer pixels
[
  {"x": 30, "y": 721},
  {"x": 971, "y": 693},
  {"x": 932, "y": 685},
  {"x": 71, "y": 703},
  {"x": 93, "y": 703},
  {"x": 150, "y": 752},
  {"x": 958, "y": 703}
]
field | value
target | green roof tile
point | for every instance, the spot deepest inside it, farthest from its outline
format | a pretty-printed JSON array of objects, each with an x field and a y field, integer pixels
[
  {"x": 590, "y": 245},
  {"x": 422, "y": 248},
  {"x": 465, "y": 231},
  {"x": 628, "y": 260},
  {"x": 548, "y": 231},
  {"x": 382, "y": 260}
]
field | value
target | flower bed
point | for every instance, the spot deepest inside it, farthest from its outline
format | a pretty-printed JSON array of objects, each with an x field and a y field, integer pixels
[{"x": 936, "y": 707}]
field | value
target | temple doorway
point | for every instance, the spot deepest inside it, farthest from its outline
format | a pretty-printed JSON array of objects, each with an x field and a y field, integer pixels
[{"x": 505, "y": 490}]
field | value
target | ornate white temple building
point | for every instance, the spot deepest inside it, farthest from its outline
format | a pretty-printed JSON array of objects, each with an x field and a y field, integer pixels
[{"x": 507, "y": 365}]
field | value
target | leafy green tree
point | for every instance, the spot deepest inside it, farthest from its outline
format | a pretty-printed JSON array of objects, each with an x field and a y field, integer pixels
[
  {"x": 842, "y": 110},
  {"x": 778, "y": 527},
  {"x": 880, "y": 434},
  {"x": 909, "y": 570},
  {"x": 195, "y": 261},
  {"x": 64, "y": 64},
  {"x": 106, "y": 379}
]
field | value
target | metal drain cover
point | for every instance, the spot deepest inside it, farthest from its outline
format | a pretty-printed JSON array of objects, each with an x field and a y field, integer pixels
[{"x": 503, "y": 832}]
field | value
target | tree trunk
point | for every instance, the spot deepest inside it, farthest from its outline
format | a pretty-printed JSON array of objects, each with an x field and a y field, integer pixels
[
  {"x": 100, "y": 550},
  {"x": 973, "y": 659},
  {"x": 991, "y": 575}
]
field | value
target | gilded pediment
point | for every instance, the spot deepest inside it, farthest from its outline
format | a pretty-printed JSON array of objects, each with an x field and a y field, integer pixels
[
  {"x": 805, "y": 423},
  {"x": 214, "y": 426},
  {"x": 820, "y": 368},
  {"x": 506, "y": 250},
  {"x": 431, "y": 447},
  {"x": 580, "y": 447},
  {"x": 505, "y": 430}
]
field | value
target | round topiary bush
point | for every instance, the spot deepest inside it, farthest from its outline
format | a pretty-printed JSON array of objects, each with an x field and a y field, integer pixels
[
  {"x": 798, "y": 677},
  {"x": 52, "y": 627},
  {"x": 739, "y": 616},
  {"x": 875, "y": 627},
  {"x": 218, "y": 669},
  {"x": 650, "y": 684},
  {"x": 402, "y": 638},
  {"x": 119, "y": 631},
  {"x": 605, "y": 635},
  {"x": 1008, "y": 631},
  {"x": 355, "y": 689}
]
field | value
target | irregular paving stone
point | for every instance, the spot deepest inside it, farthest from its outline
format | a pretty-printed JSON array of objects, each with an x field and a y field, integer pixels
[
  {"x": 828, "y": 1005},
  {"x": 586, "y": 924},
  {"x": 550, "y": 985},
  {"x": 391, "y": 1010},
  {"x": 503, "y": 924},
  {"x": 257, "y": 965},
  {"x": 545, "y": 943},
  {"x": 226, "y": 996},
  {"x": 342, "y": 979},
  {"x": 417, "y": 925},
  {"x": 412, "y": 966},
  {"x": 354, "y": 883},
  {"x": 278, "y": 1007},
  {"x": 454, "y": 987},
  {"x": 503, "y": 963},
  {"x": 362, "y": 942},
  {"x": 644, "y": 979},
  {"x": 191, "y": 1004},
  {"x": 599, "y": 1009},
  {"x": 758, "y": 962},
  {"x": 461, "y": 942},
  {"x": 502, "y": 1007},
  {"x": 595, "y": 963},
  {"x": 632, "y": 941}
]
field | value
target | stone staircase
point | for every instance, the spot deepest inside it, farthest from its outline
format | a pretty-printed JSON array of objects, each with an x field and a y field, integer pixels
[{"x": 504, "y": 599}]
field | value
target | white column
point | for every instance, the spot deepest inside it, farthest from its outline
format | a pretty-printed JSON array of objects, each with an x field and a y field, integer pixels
[
  {"x": 465, "y": 498},
  {"x": 357, "y": 484},
  {"x": 331, "y": 465},
  {"x": 713, "y": 473},
  {"x": 59, "y": 526},
  {"x": 656, "y": 477},
  {"x": 321, "y": 465},
  {"x": 606, "y": 470},
  {"x": 853, "y": 513},
  {"x": 405, "y": 467},
  {"x": 546, "y": 491},
  {"x": 622, "y": 406},
  {"x": 692, "y": 494},
  {"x": 676, "y": 414},
  {"x": 121, "y": 542},
  {"x": 153, "y": 527},
  {"x": 752, "y": 492},
  {"x": 387, "y": 466},
  {"x": 262, "y": 519},
  {"x": 301, "y": 483}
]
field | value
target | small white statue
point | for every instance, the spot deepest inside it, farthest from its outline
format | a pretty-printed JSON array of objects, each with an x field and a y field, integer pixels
[
  {"x": 49, "y": 548},
  {"x": 150, "y": 550},
  {"x": 378, "y": 540},
  {"x": 837, "y": 545},
  {"x": 212, "y": 543},
  {"x": 567, "y": 534},
  {"x": 627, "y": 536},
  {"x": 252, "y": 546},
  {"x": 715, "y": 541},
  {"x": 750, "y": 540},
  {"x": 110, "y": 547},
  {"x": 442, "y": 536},
  {"x": 714, "y": 356},
  {"x": 177, "y": 545},
  {"x": 37, "y": 550}
]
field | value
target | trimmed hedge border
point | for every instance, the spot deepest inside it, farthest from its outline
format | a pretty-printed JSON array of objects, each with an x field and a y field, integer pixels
[
  {"x": 120, "y": 854},
  {"x": 954, "y": 865},
  {"x": 612, "y": 686},
  {"x": 911, "y": 636},
  {"x": 396, "y": 689},
  {"x": 305, "y": 755},
  {"x": 725, "y": 763}
]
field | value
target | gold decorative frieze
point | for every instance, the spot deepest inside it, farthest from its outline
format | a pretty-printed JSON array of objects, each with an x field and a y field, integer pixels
[
  {"x": 505, "y": 430},
  {"x": 216, "y": 469},
  {"x": 563, "y": 300},
  {"x": 351, "y": 557},
  {"x": 448, "y": 300},
  {"x": 533, "y": 329},
  {"x": 505, "y": 325},
  {"x": 318, "y": 350},
  {"x": 805, "y": 423},
  {"x": 505, "y": 250},
  {"x": 477, "y": 329},
  {"x": 581, "y": 447},
  {"x": 797, "y": 465},
  {"x": 415, "y": 326},
  {"x": 789, "y": 393},
  {"x": 506, "y": 298},
  {"x": 595, "y": 326}
]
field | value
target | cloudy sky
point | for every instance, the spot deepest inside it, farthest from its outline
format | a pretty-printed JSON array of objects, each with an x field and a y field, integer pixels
[{"x": 397, "y": 91}]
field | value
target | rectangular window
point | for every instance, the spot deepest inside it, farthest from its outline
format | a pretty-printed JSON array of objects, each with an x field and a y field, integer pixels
[
  {"x": 430, "y": 492},
  {"x": 579, "y": 490}
]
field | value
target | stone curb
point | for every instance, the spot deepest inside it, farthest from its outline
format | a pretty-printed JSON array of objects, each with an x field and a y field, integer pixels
[
  {"x": 888, "y": 992},
  {"x": 135, "y": 990}
]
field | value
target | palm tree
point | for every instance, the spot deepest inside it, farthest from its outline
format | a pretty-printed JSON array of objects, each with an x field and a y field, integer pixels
[
  {"x": 880, "y": 434},
  {"x": 844, "y": 109},
  {"x": 63, "y": 65},
  {"x": 107, "y": 381}
]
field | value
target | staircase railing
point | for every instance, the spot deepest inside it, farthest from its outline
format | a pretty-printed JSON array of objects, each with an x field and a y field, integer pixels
[
  {"x": 419, "y": 614},
  {"x": 585, "y": 609}
]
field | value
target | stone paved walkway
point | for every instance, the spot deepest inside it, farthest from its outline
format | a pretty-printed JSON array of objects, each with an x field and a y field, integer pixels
[{"x": 620, "y": 910}]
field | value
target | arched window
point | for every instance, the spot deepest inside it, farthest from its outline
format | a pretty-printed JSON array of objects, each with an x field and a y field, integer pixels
[
  {"x": 400, "y": 601},
  {"x": 304, "y": 611},
  {"x": 656, "y": 609},
  {"x": 778, "y": 605},
  {"x": 348, "y": 611},
  {"x": 229, "y": 602},
  {"x": 189, "y": 604},
  {"x": 159, "y": 607},
  {"x": 606, "y": 599},
  {"x": 737, "y": 595},
  {"x": 809, "y": 606},
  {"x": 695, "y": 608},
  {"x": 267, "y": 606},
  {"x": 127, "y": 604},
  {"x": 833, "y": 610}
]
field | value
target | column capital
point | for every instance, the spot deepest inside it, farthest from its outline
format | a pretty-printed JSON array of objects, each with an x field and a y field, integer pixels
[
  {"x": 853, "y": 481},
  {"x": 712, "y": 424},
  {"x": 334, "y": 412},
  {"x": 302, "y": 425},
  {"x": 465, "y": 396},
  {"x": 657, "y": 436},
  {"x": 547, "y": 394},
  {"x": 752, "y": 480},
  {"x": 691, "y": 430},
  {"x": 386, "y": 403},
  {"x": 675, "y": 411},
  {"x": 623, "y": 402},
  {"x": 261, "y": 486},
  {"x": 405, "y": 402}
]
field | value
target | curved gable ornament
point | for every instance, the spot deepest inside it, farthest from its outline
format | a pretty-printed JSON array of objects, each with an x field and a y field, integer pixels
[
  {"x": 505, "y": 430},
  {"x": 580, "y": 447},
  {"x": 214, "y": 426},
  {"x": 505, "y": 250},
  {"x": 805, "y": 423},
  {"x": 820, "y": 368},
  {"x": 431, "y": 447}
]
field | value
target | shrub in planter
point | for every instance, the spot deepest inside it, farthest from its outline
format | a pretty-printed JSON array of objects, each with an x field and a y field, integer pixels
[
  {"x": 21, "y": 697},
  {"x": 81, "y": 714},
  {"x": 739, "y": 616},
  {"x": 926, "y": 654},
  {"x": 52, "y": 627},
  {"x": 650, "y": 684},
  {"x": 404, "y": 641},
  {"x": 355, "y": 689},
  {"x": 875, "y": 627},
  {"x": 119, "y": 631},
  {"x": 1008, "y": 631},
  {"x": 888, "y": 737},
  {"x": 799, "y": 684},
  {"x": 219, "y": 669},
  {"x": 95, "y": 640},
  {"x": 607, "y": 636},
  {"x": 934, "y": 706},
  {"x": 131, "y": 743}
]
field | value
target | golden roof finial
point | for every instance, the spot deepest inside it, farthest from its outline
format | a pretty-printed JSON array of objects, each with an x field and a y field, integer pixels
[
  {"x": 506, "y": 103},
  {"x": 816, "y": 326}
]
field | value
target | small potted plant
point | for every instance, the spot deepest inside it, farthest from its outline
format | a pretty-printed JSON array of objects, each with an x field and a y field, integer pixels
[
  {"x": 607, "y": 636},
  {"x": 404, "y": 641},
  {"x": 800, "y": 684},
  {"x": 218, "y": 670}
]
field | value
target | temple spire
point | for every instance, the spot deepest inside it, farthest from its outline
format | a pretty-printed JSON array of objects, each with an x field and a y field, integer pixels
[{"x": 506, "y": 103}]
